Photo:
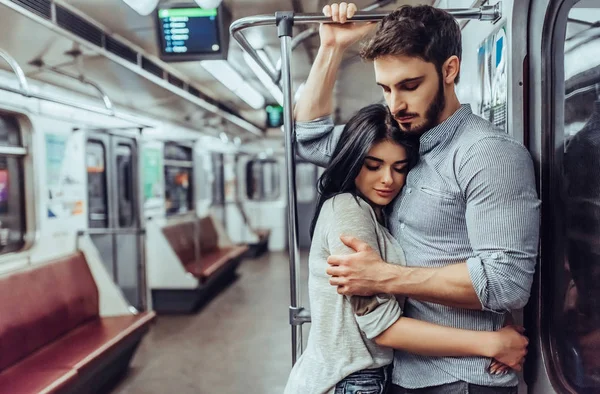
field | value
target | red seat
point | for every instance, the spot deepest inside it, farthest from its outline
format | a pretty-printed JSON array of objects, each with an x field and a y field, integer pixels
[
  {"x": 182, "y": 238},
  {"x": 87, "y": 344},
  {"x": 41, "y": 304},
  {"x": 196, "y": 245},
  {"x": 51, "y": 336},
  {"x": 213, "y": 257},
  {"x": 200, "y": 254},
  {"x": 22, "y": 380},
  {"x": 212, "y": 261}
]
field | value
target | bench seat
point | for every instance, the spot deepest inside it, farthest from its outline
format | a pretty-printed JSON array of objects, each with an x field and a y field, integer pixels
[
  {"x": 20, "y": 379},
  {"x": 89, "y": 343},
  {"x": 196, "y": 243},
  {"x": 53, "y": 339},
  {"x": 213, "y": 261}
]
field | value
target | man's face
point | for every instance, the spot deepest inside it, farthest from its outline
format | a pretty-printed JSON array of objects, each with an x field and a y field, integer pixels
[{"x": 413, "y": 91}]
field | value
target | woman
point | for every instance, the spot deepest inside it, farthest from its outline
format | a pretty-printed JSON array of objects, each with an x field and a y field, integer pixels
[{"x": 351, "y": 338}]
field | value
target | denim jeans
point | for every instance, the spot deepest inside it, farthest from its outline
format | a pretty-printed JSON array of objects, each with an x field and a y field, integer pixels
[{"x": 367, "y": 381}]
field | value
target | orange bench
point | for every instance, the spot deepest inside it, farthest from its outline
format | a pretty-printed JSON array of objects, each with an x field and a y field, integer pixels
[
  {"x": 52, "y": 339},
  {"x": 196, "y": 244}
]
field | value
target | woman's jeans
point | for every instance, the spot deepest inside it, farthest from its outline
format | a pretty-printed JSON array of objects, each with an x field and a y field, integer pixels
[{"x": 367, "y": 381}]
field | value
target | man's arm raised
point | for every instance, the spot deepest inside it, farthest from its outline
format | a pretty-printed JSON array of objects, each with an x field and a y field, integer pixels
[
  {"x": 316, "y": 99},
  {"x": 315, "y": 132}
]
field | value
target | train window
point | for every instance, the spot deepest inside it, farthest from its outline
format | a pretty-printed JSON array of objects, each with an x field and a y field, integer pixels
[
  {"x": 575, "y": 293},
  {"x": 12, "y": 193},
  {"x": 179, "y": 168},
  {"x": 262, "y": 180},
  {"x": 205, "y": 179},
  {"x": 125, "y": 185},
  {"x": 97, "y": 190},
  {"x": 219, "y": 180},
  {"x": 306, "y": 182}
]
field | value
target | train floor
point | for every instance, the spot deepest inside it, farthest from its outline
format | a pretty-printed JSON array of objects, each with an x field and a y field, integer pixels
[{"x": 239, "y": 342}]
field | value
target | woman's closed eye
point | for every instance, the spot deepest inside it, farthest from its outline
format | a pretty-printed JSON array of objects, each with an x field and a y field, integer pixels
[
  {"x": 401, "y": 170},
  {"x": 372, "y": 168}
]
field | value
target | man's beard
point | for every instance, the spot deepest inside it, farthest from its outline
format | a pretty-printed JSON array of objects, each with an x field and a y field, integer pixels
[{"x": 432, "y": 115}]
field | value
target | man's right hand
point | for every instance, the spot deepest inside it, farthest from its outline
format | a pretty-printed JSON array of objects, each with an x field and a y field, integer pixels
[
  {"x": 510, "y": 348},
  {"x": 342, "y": 35}
]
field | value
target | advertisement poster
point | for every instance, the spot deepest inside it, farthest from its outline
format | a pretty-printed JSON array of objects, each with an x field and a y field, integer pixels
[
  {"x": 3, "y": 190},
  {"x": 65, "y": 180},
  {"x": 229, "y": 177},
  {"x": 493, "y": 78},
  {"x": 152, "y": 169}
]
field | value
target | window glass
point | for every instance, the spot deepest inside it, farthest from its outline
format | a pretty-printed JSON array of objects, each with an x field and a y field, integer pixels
[
  {"x": 206, "y": 178},
  {"x": 575, "y": 327},
  {"x": 262, "y": 180},
  {"x": 12, "y": 193},
  {"x": 9, "y": 131},
  {"x": 179, "y": 194},
  {"x": 306, "y": 182},
  {"x": 97, "y": 191},
  {"x": 125, "y": 185}
]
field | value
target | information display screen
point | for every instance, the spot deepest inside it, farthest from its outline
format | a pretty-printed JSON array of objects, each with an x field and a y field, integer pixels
[
  {"x": 274, "y": 115},
  {"x": 190, "y": 33}
]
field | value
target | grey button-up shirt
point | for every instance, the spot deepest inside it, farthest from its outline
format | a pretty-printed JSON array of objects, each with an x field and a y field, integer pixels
[{"x": 472, "y": 198}]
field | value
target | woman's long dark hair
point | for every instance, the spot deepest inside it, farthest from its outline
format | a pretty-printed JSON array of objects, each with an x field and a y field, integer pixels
[{"x": 370, "y": 125}]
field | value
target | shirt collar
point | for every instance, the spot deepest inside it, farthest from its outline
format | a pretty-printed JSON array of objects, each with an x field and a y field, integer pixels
[{"x": 444, "y": 130}]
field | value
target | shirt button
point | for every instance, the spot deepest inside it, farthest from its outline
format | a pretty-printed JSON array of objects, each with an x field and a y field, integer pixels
[
  {"x": 402, "y": 226},
  {"x": 494, "y": 255},
  {"x": 409, "y": 190}
]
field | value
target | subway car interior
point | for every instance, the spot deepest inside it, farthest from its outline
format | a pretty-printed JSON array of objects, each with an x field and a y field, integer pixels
[{"x": 154, "y": 215}]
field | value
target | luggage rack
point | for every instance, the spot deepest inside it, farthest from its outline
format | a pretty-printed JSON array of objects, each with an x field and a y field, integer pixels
[
  {"x": 284, "y": 21},
  {"x": 24, "y": 90}
]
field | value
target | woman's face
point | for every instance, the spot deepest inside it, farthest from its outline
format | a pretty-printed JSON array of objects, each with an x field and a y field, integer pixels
[{"x": 383, "y": 173}]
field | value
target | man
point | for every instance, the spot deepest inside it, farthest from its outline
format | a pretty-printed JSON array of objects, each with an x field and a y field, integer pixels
[{"x": 468, "y": 216}]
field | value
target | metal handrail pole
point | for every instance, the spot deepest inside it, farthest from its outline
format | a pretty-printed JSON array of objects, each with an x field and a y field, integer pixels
[
  {"x": 238, "y": 26},
  {"x": 56, "y": 100},
  {"x": 26, "y": 92},
  {"x": 485, "y": 13},
  {"x": 285, "y": 36},
  {"x": 18, "y": 72},
  {"x": 107, "y": 101},
  {"x": 313, "y": 31}
]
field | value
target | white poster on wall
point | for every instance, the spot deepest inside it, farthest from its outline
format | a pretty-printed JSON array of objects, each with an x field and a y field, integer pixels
[
  {"x": 493, "y": 78},
  {"x": 65, "y": 181}
]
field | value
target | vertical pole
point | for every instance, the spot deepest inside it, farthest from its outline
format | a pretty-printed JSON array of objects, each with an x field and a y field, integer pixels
[{"x": 284, "y": 29}]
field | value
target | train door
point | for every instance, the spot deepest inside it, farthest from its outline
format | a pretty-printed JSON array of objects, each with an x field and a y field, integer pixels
[
  {"x": 114, "y": 223},
  {"x": 566, "y": 106},
  {"x": 306, "y": 200}
]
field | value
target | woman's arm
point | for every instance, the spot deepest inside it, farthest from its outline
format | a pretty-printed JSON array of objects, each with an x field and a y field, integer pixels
[{"x": 415, "y": 336}]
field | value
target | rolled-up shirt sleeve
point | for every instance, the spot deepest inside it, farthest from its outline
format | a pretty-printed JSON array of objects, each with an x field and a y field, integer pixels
[
  {"x": 502, "y": 212},
  {"x": 316, "y": 140}
]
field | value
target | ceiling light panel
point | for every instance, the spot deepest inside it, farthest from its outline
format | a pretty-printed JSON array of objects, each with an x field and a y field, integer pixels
[
  {"x": 228, "y": 76},
  {"x": 142, "y": 7}
]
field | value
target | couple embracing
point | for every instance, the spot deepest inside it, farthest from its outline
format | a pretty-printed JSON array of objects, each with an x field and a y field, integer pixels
[{"x": 426, "y": 229}]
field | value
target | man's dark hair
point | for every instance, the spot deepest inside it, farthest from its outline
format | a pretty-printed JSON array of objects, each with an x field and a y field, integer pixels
[{"x": 421, "y": 31}]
